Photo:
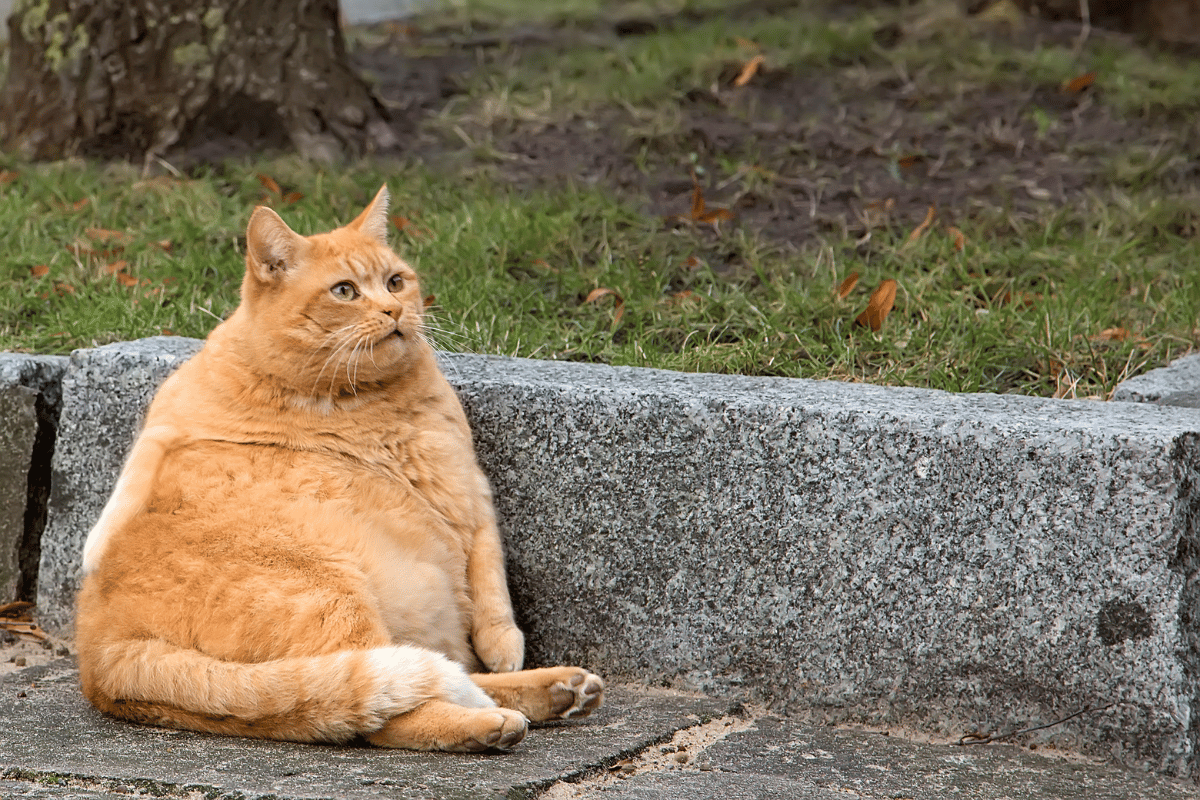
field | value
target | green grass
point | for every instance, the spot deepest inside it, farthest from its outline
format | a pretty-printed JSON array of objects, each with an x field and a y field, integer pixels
[
  {"x": 510, "y": 273},
  {"x": 1023, "y": 308}
]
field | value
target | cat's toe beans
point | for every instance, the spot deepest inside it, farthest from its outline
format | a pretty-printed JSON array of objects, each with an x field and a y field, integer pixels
[
  {"x": 508, "y": 731},
  {"x": 585, "y": 692}
]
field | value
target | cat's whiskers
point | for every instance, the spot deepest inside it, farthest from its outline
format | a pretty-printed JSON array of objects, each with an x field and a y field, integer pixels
[
  {"x": 324, "y": 343},
  {"x": 347, "y": 340}
]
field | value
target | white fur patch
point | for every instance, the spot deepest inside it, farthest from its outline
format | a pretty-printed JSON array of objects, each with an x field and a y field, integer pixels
[
  {"x": 404, "y": 670},
  {"x": 117, "y": 510}
]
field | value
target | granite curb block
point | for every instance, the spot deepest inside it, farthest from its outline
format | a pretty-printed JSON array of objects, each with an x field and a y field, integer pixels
[
  {"x": 30, "y": 401},
  {"x": 1177, "y": 384},
  {"x": 849, "y": 552}
]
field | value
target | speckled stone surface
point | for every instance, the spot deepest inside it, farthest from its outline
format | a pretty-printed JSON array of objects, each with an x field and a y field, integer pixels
[
  {"x": 29, "y": 405},
  {"x": 1177, "y": 384},
  {"x": 952, "y": 562}
]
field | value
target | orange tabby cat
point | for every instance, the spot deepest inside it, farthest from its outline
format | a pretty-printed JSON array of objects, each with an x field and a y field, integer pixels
[{"x": 301, "y": 545}]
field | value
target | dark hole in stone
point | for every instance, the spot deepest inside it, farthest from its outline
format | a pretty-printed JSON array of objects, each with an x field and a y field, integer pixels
[{"x": 1119, "y": 620}]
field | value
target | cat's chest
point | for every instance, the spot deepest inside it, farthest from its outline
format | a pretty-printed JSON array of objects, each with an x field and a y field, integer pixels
[{"x": 434, "y": 466}]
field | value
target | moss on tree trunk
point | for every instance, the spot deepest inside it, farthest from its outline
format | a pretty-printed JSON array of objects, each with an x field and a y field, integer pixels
[{"x": 136, "y": 78}]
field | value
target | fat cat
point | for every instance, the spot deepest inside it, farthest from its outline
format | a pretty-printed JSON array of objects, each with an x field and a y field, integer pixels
[{"x": 300, "y": 545}]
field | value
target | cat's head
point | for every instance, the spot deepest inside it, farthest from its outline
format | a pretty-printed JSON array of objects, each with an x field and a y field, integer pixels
[{"x": 332, "y": 313}]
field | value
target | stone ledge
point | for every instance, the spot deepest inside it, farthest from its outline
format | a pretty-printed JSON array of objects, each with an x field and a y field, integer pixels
[
  {"x": 1177, "y": 384},
  {"x": 849, "y": 552},
  {"x": 30, "y": 401}
]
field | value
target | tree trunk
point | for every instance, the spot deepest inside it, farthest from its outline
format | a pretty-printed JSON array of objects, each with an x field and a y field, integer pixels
[{"x": 138, "y": 78}]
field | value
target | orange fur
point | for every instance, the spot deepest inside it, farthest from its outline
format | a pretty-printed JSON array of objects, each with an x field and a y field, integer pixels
[{"x": 301, "y": 545}]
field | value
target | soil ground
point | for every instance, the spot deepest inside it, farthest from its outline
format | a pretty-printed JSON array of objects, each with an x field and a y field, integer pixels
[{"x": 843, "y": 149}]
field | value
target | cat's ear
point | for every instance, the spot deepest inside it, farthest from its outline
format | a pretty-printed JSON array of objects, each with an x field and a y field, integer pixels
[
  {"x": 271, "y": 246},
  {"x": 373, "y": 221}
]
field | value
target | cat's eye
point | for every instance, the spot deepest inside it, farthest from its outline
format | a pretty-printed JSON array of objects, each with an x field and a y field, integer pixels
[
  {"x": 344, "y": 291},
  {"x": 395, "y": 283}
]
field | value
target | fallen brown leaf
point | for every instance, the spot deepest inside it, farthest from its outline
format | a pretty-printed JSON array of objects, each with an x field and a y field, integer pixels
[
  {"x": 919, "y": 231},
  {"x": 960, "y": 240},
  {"x": 62, "y": 289},
  {"x": 292, "y": 198},
  {"x": 748, "y": 71},
  {"x": 105, "y": 235},
  {"x": 429, "y": 300},
  {"x": 126, "y": 280},
  {"x": 847, "y": 286},
  {"x": 115, "y": 267},
  {"x": 878, "y": 306},
  {"x": 700, "y": 212},
  {"x": 1078, "y": 84},
  {"x": 269, "y": 184},
  {"x": 39, "y": 270},
  {"x": 1112, "y": 335},
  {"x": 8, "y": 176},
  {"x": 23, "y": 629},
  {"x": 603, "y": 291},
  {"x": 17, "y": 610}
]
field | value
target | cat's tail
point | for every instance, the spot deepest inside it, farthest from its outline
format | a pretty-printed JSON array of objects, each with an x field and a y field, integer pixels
[{"x": 326, "y": 698}]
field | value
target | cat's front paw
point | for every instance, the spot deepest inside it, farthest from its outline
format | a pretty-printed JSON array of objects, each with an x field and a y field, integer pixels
[{"x": 501, "y": 648}]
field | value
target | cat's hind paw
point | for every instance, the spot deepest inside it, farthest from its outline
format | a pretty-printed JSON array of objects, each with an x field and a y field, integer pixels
[
  {"x": 545, "y": 694},
  {"x": 577, "y": 695}
]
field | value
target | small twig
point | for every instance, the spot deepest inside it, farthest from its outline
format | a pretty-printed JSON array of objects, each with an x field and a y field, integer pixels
[
  {"x": 1085, "y": 30},
  {"x": 987, "y": 738}
]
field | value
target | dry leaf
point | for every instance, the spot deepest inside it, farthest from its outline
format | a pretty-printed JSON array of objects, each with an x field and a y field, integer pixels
[
  {"x": 39, "y": 270},
  {"x": 699, "y": 214},
  {"x": 162, "y": 244},
  {"x": 429, "y": 300},
  {"x": 8, "y": 176},
  {"x": 596, "y": 294},
  {"x": 847, "y": 286},
  {"x": 1078, "y": 84},
  {"x": 716, "y": 214},
  {"x": 106, "y": 235},
  {"x": 167, "y": 332},
  {"x": 960, "y": 240},
  {"x": 748, "y": 71},
  {"x": 79, "y": 205},
  {"x": 919, "y": 231},
  {"x": 128, "y": 281},
  {"x": 693, "y": 262},
  {"x": 22, "y": 628},
  {"x": 1112, "y": 335},
  {"x": 697, "y": 201},
  {"x": 116, "y": 267},
  {"x": 269, "y": 184},
  {"x": 62, "y": 289},
  {"x": 292, "y": 197},
  {"x": 17, "y": 610},
  {"x": 879, "y": 306}
]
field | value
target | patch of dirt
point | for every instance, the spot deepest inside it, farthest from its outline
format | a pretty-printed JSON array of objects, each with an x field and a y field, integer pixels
[
  {"x": 793, "y": 153},
  {"x": 684, "y": 753},
  {"x": 19, "y": 652}
]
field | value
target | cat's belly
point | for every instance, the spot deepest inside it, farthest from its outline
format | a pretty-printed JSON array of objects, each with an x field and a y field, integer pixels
[{"x": 282, "y": 519}]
